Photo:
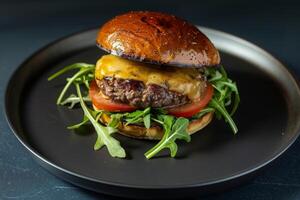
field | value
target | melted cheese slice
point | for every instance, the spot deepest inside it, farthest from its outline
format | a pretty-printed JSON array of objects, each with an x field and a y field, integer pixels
[{"x": 181, "y": 80}]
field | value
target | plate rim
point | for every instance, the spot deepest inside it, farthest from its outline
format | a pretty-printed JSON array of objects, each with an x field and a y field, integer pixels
[{"x": 242, "y": 173}]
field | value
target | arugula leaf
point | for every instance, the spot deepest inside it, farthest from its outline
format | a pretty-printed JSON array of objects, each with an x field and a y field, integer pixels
[
  {"x": 137, "y": 116},
  {"x": 225, "y": 88},
  {"x": 115, "y": 120},
  {"x": 174, "y": 129},
  {"x": 147, "y": 121},
  {"x": 220, "y": 108},
  {"x": 203, "y": 112},
  {"x": 216, "y": 76},
  {"x": 103, "y": 132},
  {"x": 73, "y": 100},
  {"x": 85, "y": 119},
  {"x": 83, "y": 76},
  {"x": 84, "y": 79},
  {"x": 71, "y": 67},
  {"x": 78, "y": 74}
]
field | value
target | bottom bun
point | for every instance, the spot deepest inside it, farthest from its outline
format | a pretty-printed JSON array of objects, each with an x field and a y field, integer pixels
[{"x": 156, "y": 132}]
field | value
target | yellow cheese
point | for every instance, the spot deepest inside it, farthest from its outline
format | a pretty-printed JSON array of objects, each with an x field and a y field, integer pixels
[{"x": 182, "y": 80}]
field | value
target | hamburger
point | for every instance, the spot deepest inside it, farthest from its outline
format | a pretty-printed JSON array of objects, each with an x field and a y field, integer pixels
[{"x": 161, "y": 75}]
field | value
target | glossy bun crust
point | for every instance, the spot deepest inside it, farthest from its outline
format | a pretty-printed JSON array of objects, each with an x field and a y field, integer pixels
[
  {"x": 157, "y": 38},
  {"x": 156, "y": 132}
]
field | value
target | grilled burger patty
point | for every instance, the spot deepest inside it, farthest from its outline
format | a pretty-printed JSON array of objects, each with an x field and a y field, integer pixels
[{"x": 136, "y": 93}]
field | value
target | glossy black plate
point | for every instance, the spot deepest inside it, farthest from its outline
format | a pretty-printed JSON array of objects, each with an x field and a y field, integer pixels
[{"x": 268, "y": 119}]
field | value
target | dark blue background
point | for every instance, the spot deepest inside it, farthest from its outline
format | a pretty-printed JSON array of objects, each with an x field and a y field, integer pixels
[{"x": 26, "y": 26}]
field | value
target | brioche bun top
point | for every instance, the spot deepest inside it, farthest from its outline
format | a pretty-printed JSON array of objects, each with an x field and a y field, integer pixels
[{"x": 157, "y": 38}]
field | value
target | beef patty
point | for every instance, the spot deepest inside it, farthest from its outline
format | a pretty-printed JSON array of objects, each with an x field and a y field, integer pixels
[{"x": 137, "y": 94}]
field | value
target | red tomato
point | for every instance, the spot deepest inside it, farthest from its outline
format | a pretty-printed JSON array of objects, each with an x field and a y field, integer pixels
[
  {"x": 102, "y": 103},
  {"x": 191, "y": 109}
]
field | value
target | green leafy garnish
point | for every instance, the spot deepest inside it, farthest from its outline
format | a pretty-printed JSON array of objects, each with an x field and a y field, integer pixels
[
  {"x": 69, "y": 68},
  {"x": 221, "y": 109},
  {"x": 147, "y": 120},
  {"x": 115, "y": 120},
  {"x": 84, "y": 121},
  {"x": 173, "y": 129},
  {"x": 73, "y": 100},
  {"x": 83, "y": 77},
  {"x": 225, "y": 88},
  {"x": 85, "y": 73},
  {"x": 135, "y": 117},
  {"x": 103, "y": 132},
  {"x": 203, "y": 112},
  {"x": 225, "y": 96}
]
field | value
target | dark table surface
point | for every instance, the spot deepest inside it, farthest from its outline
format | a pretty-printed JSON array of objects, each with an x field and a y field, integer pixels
[{"x": 26, "y": 26}]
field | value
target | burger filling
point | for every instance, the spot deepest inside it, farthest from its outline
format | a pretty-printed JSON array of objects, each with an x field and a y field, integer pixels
[
  {"x": 188, "y": 82},
  {"x": 141, "y": 85},
  {"x": 139, "y": 95}
]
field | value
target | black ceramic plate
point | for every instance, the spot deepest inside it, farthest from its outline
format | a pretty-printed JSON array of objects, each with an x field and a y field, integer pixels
[{"x": 268, "y": 119}]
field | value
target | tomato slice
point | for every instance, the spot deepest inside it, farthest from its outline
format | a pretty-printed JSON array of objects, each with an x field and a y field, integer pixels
[
  {"x": 191, "y": 109},
  {"x": 188, "y": 110},
  {"x": 102, "y": 103}
]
